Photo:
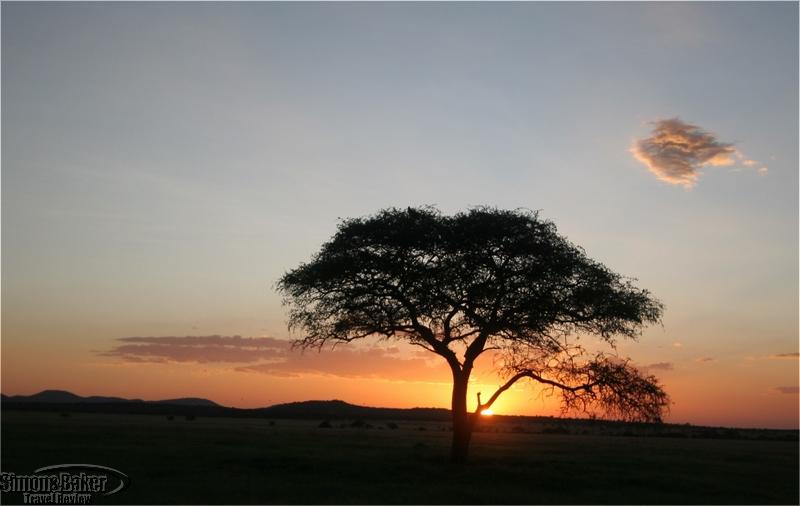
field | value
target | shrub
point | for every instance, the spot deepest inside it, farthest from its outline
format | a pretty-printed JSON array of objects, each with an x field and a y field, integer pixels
[{"x": 555, "y": 430}]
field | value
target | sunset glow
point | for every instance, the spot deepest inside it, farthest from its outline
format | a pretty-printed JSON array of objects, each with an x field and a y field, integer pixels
[{"x": 163, "y": 167}]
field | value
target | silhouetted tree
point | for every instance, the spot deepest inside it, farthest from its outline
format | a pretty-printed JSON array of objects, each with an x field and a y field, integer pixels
[{"x": 485, "y": 279}]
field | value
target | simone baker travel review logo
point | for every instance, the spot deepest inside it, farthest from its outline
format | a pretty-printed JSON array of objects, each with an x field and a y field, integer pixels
[{"x": 64, "y": 484}]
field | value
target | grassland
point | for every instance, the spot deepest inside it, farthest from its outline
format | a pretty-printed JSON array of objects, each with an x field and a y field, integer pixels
[{"x": 235, "y": 461}]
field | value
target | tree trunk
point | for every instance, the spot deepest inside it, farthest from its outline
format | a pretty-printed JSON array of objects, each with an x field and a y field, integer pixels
[{"x": 462, "y": 422}]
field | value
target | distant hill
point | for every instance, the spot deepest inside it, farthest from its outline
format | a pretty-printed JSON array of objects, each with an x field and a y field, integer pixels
[
  {"x": 340, "y": 409},
  {"x": 304, "y": 409},
  {"x": 64, "y": 397},
  {"x": 52, "y": 400},
  {"x": 64, "y": 402},
  {"x": 188, "y": 401}
]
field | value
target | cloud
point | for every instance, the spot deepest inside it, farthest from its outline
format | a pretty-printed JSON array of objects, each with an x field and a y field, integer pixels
[
  {"x": 659, "y": 366},
  {"x": 704, "y": 359},
  {"x": 676, "y": 344},
  {"x": 275, "y": 357},
  {"x": 676, "y": 151},
  {"x": 788, "y": 390},
  {"x": 199, "y": 349},
  {"x": 345, "y": 362},
  {"x": 785, "y": 356}
]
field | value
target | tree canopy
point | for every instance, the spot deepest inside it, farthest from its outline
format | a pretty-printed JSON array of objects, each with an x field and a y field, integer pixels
[{"x": 483, "y": 279}]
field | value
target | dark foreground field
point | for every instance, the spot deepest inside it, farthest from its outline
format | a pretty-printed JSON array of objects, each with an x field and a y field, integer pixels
[{"x": 230, "y": 461}]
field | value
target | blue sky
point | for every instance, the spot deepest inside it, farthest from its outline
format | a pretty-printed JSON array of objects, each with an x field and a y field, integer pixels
[{"x": 163, "y": 164}]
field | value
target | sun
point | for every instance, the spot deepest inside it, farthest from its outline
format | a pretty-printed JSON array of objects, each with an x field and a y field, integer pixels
[{"x": 487, "y": 412}]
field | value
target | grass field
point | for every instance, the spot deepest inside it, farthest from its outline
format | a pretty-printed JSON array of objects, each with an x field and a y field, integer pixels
[{"x": 234, "y": 461}]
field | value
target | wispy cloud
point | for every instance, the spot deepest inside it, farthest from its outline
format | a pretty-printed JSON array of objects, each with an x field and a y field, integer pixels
[
  {"x": 378, "y": 363},
  {"x": 788, "y": 390},
  {"x": 676, "y": 151},
  {"x": 774, "y": 356},
  {"x": 659, "y": 366},
  {"x": 704, "y": 359},
  {"x": 199, "y": 349},
  {"x": 785, "y": 356},
  {"x": 275, "y": 357}
]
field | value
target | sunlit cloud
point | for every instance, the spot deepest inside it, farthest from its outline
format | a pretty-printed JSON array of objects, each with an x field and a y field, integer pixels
[
  {"x": 275, "y": 357},
  {"x": 376, "y": 363},
  {"x": 704, "y": 359},
  {"x": 659, "y": 366},
  {"x": 675, "y": 152},
  {"x": 785, "y": 356},
  {"x": 676, "y": 344},
  {"x": 788, "y": 390},
  {"x": 775, "y": 356},
  {"x": 198, "y": 349}
]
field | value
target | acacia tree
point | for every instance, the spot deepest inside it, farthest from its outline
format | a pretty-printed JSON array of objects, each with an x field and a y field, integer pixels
[{"x": 485, "y": 279}]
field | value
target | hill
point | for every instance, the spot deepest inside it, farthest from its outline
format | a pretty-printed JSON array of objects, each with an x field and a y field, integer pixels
[
  {"x": 341, "y": 409},
  {"x": 306, "y": 409},
  {"x": 64, "y": 397},
  {"x": 66, "y": 402}
]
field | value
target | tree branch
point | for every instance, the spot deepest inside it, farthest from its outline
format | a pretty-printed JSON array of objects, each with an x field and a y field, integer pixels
[{"x": 534, "y": 376}]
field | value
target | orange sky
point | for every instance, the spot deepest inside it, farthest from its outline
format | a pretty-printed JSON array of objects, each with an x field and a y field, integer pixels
[
  {"x": 164, "y": 164},
  {"x": 733, "y": 392}
]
